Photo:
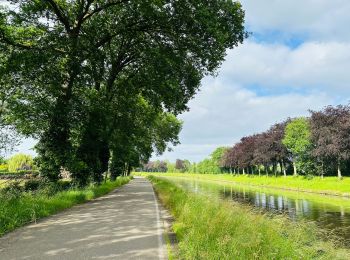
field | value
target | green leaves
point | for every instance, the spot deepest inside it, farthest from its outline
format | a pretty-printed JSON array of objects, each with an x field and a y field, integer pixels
[
  {"x": 94, "y": 76},
  {"x": 297, "y": 136}
]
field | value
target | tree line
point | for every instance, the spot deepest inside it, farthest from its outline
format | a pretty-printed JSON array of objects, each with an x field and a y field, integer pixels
[
  {"x": 209, "y": 165},
  {"x": 100, "y": 83},
  {"x": 314, "y": 145}
]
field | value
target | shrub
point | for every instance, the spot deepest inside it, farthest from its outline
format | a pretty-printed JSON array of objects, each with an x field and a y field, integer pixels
[
  {"x": 13, "y": 191},
  {"x": 32, "y": 185},
  {"x": 20, "y": 162},
  {"x": 19, "y": 174},
  {"x": 4, "y": 167}
]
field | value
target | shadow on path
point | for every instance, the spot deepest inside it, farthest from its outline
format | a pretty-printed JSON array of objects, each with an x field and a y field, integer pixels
[{"x": 122, "y": 225}]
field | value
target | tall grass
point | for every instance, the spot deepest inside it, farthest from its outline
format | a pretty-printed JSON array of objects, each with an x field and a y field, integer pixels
[
  {"x": 327, "y": 185},
  {"x": 212, "y": 229},
  {"x": 24, "y": 207}
]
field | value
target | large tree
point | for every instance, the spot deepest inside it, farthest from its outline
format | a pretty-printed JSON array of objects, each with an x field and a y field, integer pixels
[
  {"x": 71, "y": 61},
  {"x": 261, "y": 152},
  {"x": 297, "y": 139},
  {"x": 276, "y": 151},
  {"x": 330, "y": 130}
]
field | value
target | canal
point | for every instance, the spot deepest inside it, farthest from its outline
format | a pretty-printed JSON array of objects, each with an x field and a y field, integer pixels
[{"x": 331, "y": 213}]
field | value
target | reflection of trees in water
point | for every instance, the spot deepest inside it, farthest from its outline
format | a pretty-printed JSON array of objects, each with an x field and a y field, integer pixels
[{"x": 331, "y": 218}]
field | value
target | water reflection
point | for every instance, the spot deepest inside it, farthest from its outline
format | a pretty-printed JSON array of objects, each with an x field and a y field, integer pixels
[{"x": 328, "y": 212}]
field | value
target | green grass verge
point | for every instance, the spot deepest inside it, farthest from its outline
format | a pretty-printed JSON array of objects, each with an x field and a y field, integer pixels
[
  {"x": 28, "y": 207},
  {"x": 3, "y": 183},
  {"x": 212, "y": 229},
  {"x": 328, "y": 185}
]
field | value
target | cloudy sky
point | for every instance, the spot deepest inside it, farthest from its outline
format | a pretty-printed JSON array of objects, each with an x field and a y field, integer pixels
[{"x": 297, "y": 58}]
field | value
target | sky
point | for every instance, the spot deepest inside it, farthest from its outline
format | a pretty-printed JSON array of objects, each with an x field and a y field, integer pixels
[{"x": 297, "y": 58}]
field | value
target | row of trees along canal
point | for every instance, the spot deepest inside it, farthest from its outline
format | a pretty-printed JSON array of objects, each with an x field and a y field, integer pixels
[
  {"x": 315, "y": 145},
  {"x": 100, "y": 83}
]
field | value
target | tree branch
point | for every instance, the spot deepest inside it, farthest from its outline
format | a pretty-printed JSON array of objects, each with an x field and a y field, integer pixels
[
  {"x": 60, "y": 15},
  {"x": 101, "y": 8}
]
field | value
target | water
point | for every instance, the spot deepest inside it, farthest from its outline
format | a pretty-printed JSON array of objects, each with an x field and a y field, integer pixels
[{"x": 328, "y": 212}]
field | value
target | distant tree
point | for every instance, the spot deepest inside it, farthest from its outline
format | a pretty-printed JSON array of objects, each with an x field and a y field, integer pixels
[
  {"x": 171, "y": 167},
  {"x": 261, "y": 154},
  {"x": 276, "y": 151},
  {"x": 218, "y": 154},
  {"x": 297, "y": 139},
  {"x": 215, "y": 164},
  {"x": 162, "y": 166},
  {"x": 205, "y": 166},
  {"x": 20, "y": 162},
  {"x": 245, "y": 153},
  {"x": 330, "y": 130},
  {"x": 180, "y": 165},
  {"x": 229, "y": 160},
  {"x": 193, "y": 168}
]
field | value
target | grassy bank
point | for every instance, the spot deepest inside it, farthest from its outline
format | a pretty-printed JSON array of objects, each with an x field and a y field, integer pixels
[
  {"x": 3, "y": 183},
  {"x": 328, "y": 185},
  {"x": 211, "y": 229},
  {"x": 19, "y": 209}
]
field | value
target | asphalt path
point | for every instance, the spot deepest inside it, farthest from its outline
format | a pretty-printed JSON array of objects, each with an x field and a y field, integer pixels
[{"x": 124, "y": 224}]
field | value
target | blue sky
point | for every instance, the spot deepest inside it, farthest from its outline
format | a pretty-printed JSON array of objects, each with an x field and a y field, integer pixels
[{"x": 297, "y": 58}]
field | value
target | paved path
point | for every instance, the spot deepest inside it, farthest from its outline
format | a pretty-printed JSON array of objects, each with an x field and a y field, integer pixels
[{"x": 122, "y": 225}]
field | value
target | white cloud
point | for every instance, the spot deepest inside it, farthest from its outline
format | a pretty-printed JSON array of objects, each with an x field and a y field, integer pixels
[
  {"x": 229, "y": 112},
  {"x": 309, "y": 76},
  {"x": 318, "y": 19},
  {"x": 313, "y": 65}
]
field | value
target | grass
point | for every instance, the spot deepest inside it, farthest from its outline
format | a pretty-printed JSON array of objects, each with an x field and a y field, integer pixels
[
  {"x": 19, "y": 173},
  {"x": 213, "y": 229},
  {"x": 3, "y": 183},
  {"x": 18, "y": 210},
  {"x": 328, "y": 185}
]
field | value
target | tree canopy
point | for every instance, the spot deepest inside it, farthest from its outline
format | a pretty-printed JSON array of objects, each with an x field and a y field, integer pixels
[
  {"x": 297, "y": 140},
  {"x": 315, "y": 145},
  {"x": 100, "y": 82}
]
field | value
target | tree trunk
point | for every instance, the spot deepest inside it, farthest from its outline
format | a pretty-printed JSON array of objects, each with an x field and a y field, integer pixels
[
  {"x": 54, "y": 146},
  {"x": 283, "y": 167},
  {"x": 126, "y": 167},
  {"x": 295, "y": 169},
  {"x": 243, "y": 171},
  {"x": 259, "y": 170},
  {"x": 106, "y": 174},
  {"x": 266, "y": 170},
  {"x": 322, "y": 170},
  {"x": 274, "y": 167},
  {"x": 339, "y": 171},
  {"x": 129, "y": 169}
]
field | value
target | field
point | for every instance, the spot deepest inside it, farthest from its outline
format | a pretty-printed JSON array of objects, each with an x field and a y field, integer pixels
[{"x": 327, "y": 185}]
